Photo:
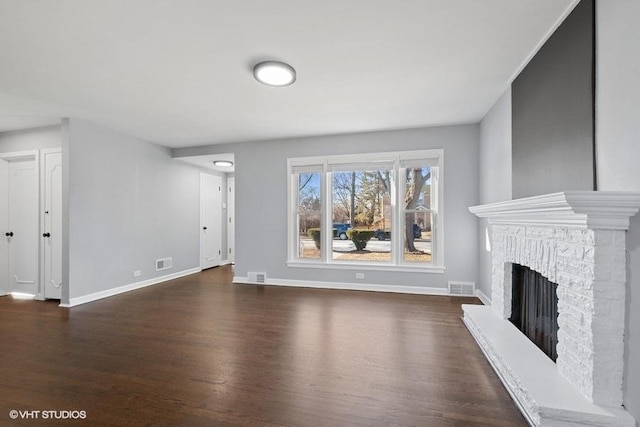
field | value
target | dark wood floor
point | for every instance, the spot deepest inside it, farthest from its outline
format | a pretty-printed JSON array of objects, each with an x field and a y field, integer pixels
[{"x": 200, "y": 351}]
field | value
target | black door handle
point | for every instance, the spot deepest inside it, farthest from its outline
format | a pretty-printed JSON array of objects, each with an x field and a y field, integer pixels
[
  {"x": 9, "y": 234},
  {"x": 204, "y": 228},
  {"x": 46, "y": 234}
]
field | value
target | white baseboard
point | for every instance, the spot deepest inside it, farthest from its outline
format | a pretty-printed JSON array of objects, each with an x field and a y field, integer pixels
[
  {"x": 127, "y": 288},
  {"x": 483, "y": 297},
  {"x": 345, "y": 286}
]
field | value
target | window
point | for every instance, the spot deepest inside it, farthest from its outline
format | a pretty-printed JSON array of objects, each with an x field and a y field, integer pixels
[
  {"x": 380, "y": 210},
  {"x": 308, "y": 212}
]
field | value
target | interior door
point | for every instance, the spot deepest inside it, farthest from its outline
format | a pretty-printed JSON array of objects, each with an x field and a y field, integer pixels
[
  {"x": 210, "y": 220},
  {"x": 52, "y": 224},
  {"x": 23, "y": 225},
  {"x": 231, "y": 219},
  {"x": 4, "y": 227}
]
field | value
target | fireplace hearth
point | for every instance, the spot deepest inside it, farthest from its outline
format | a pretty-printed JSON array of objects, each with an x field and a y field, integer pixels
[{"x": 576, "y": 240}]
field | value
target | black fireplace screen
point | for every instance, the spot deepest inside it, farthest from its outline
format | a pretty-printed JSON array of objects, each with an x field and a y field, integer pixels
[{"x": 534, "y": 308}]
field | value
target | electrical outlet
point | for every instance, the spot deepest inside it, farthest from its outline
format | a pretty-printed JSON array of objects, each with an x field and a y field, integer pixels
[
  {"x": 137, "y": 273},
  {"x": 359, "y": 275}
]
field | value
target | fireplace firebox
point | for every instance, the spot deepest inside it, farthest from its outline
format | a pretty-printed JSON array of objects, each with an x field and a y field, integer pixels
[{"x": 534, "y": 308}]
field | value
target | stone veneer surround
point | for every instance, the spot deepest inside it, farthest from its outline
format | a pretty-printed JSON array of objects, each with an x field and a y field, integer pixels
[
  {"x": 577, "y": 240},
  {"x": 591, "y": 301}
]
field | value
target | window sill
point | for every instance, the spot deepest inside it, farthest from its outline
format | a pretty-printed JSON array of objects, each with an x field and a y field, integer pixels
[{"x": 430, "y": 269}]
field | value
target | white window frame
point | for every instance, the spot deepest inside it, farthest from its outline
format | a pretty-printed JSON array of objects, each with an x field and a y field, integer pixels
[{"x": 435, "y": 156}]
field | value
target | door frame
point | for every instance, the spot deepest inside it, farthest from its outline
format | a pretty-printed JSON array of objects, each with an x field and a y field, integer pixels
[
  {"x": 24, "y": 155},
  {"x": 231, "y": 220}
]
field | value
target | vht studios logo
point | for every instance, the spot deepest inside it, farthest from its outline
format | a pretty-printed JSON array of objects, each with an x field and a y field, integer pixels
[{"x": 47, "y": 415}]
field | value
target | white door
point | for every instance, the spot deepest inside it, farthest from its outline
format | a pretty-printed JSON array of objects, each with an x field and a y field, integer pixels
[
  {"x": 4, "y": 227},
  {"x": 52, "y": 224},
  {"x": 23, "y": 225},
  {"x": 210, "y": 220},
  {"x": 231, "y": 213}
]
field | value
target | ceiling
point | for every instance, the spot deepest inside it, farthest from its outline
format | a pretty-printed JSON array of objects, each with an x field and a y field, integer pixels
[{"x": 179, "y": 73}]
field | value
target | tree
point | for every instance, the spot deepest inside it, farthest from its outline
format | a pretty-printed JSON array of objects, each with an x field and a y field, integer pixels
[
  {"x": 415, "y": 181},
  {"x": 342, "y": 195},
  {"x": 308, "y": 201}
]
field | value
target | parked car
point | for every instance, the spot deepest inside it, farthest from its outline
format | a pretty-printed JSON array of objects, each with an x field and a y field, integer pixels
[
  {"x": 384, "y": 234},
  {"x": 340, "y": 230}
]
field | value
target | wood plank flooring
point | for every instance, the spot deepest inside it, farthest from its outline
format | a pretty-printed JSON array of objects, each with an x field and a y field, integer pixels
[{"x": 200, "y": 351}]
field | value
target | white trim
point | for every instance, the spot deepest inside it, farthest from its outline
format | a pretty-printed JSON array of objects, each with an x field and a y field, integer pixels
[
  {"x": 366, "y": 157},
  {"x": 127, "y": 288},
  {"x": 323, "y": 163},
  {"x": 346, "y": 286},
  {"x": 230, "y": 222},
  {"x": 16, "y": 155},
  {"x": 608, "y": 210},
  {"x": 200, "y": 234},
  {"x": 483, "y": 297},
  {"x": 347, "y": 265}
]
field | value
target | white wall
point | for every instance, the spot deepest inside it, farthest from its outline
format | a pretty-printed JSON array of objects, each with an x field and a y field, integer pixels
[
  {"x": 618, "y": 150},
  {"x": 130, "y": 203},
  {"x": 494, "y": 175},
  {"x": 261, "y": 202},
  {"x": 30, "y": 139}
]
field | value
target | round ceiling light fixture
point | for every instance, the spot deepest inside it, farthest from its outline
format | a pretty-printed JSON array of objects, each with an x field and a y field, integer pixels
[
  {"x": 223, "y": 163},
  {"x": 274, "y": 73}
]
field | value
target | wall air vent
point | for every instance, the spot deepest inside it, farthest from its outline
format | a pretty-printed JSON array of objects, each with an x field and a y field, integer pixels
[
  {"x": 255, "y": 277},
  {"x": 464, "y": 289},
  {"x": 164, "y": 264}
]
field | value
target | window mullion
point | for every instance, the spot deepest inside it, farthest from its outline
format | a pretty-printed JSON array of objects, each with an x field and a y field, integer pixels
[
  {"x": 397, "y": 215},
  {"x": 293, "y": 217},
  {"x": 327, "y": 205}
]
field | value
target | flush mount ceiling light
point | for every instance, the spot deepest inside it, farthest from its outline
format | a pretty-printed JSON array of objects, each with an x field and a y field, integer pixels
[
  {"x": 223, "y": 163},
  {"x": 274, "y": 73}
]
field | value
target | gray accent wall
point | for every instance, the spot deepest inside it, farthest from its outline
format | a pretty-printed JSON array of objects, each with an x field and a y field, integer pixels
[
  {"x": 618, "y": 152},
  {"x": 261, "y": 201},
  {"x": 129, "y": 204},
  {"x": 553, "y": 112}
]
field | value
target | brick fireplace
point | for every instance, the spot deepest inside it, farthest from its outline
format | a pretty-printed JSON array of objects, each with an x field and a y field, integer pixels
[{"x": 577, "y": 240}]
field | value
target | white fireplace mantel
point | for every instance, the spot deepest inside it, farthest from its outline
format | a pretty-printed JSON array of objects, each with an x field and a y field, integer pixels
[
  {"x": 577, "y": 240},
  {"x": 609, "y": 210}
]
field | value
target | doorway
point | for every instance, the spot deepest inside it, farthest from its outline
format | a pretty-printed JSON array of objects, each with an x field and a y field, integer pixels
[
  {"x": 19, "y": 223},
  {"x": 210, "y": 220}
]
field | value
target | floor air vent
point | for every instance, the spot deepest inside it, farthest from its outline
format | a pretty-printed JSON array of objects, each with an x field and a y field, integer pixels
[
  {"x": 255, "y": 277},
  {"x": 164, "y": 264},
  {"x": 466, "y": 289}
]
